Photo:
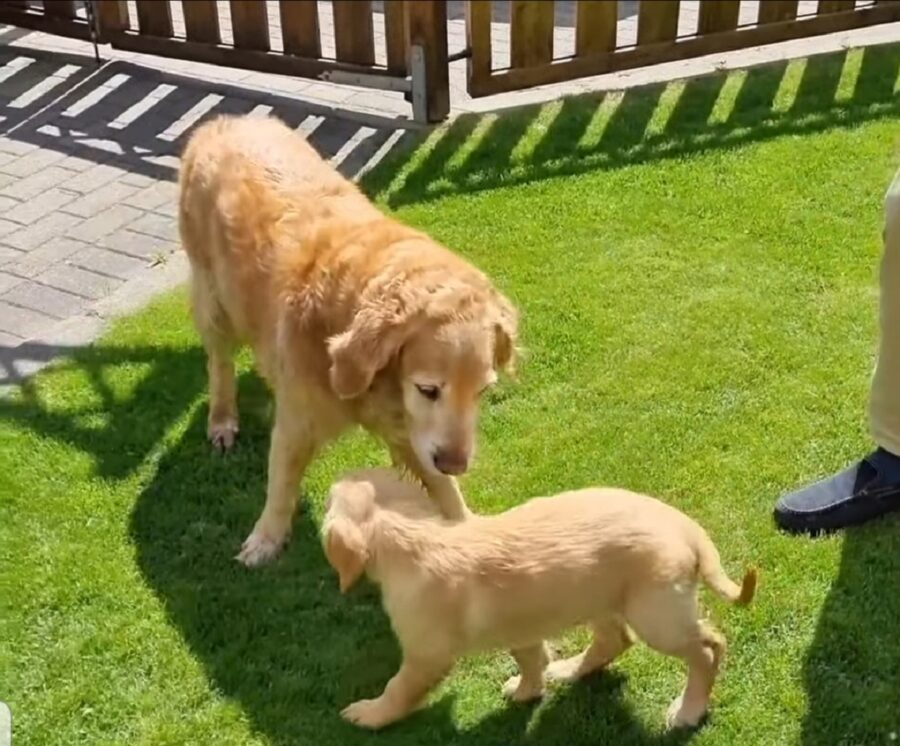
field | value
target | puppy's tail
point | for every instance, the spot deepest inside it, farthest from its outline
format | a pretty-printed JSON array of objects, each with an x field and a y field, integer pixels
[{"x": 710, "y": 567}]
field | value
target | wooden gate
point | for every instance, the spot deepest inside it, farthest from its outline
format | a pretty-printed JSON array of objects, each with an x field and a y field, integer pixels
[
  {"x": 414, "y": 33},
  {"x": 273, "y": 36},
  {"x": 661, "y": 35}
]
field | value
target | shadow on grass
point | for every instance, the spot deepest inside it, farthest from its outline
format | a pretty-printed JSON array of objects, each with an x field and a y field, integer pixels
[
  {"x": 133, "y": 426},
  {"x": 283, "y": 642},
  {"x": 645, "y": 124},
  {"x": 852, "y": 669}
]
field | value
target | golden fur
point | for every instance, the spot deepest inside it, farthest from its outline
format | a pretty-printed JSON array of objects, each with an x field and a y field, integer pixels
[
  {"x": 620, "y": 562},
  {"x": 352, "y": 316}
]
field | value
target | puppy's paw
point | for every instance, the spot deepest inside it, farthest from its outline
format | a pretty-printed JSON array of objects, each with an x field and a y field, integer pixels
[
  {"x": 680, "y": 716},
  {"x": 261, "y": 547},
  {"x": 517, "y": 691},
  {"x": 367, "y": 713},
  {"x": 223, "y": 433}
]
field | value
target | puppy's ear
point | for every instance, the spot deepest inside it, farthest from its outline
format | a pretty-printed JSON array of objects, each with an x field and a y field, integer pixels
[
  {"x": 374, "y": 336},
  {"x": 345, "y": 549},
  {"x": 506, "y": 334}
]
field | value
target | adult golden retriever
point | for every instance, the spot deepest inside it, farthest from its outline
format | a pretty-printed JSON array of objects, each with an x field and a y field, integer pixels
[{"x": 352, "y": 316}]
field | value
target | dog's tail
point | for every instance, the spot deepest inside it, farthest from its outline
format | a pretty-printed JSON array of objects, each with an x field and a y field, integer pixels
[{"x": 710, "y": 567}]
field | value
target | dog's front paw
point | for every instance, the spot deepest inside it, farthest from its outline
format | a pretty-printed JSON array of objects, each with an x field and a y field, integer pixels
[
  {"x": 367, "y": 713},
  {"x": 519, "y": 691},
  {"x": 261, "y": 547},
  {"x": 223, "y": 433}
]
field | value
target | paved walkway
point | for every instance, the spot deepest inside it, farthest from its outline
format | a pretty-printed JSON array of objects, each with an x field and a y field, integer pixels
[{"x": 88, "y": 158}]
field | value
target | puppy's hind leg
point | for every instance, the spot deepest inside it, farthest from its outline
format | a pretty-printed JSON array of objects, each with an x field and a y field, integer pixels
[
  {"x": 703, "y": 658},
  {"x": 220, "y": 344},
  {"x": 611, "y": 638},
  {"x": 529, "y": 684},
  {"x": 665, "y": 617}
]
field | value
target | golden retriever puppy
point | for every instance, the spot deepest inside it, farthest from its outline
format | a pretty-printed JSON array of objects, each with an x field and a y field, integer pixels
[
  {"x": 353, "y": 318},
  {"x": 620, "y": 562}
]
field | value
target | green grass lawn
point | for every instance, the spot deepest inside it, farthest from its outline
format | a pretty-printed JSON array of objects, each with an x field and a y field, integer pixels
[{"x": 696, "y": 265}]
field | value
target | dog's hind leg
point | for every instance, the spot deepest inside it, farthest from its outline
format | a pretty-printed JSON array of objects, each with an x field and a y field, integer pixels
[
  {"x": 529, "y": 684},
  {"x": 611, "y": 638},
  {"x": 219, "y": 342}
]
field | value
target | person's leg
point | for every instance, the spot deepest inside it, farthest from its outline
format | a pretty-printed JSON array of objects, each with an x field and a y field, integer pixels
[
  {"x": 884, "y": 403},
  {"x": 869, "y": 488}
]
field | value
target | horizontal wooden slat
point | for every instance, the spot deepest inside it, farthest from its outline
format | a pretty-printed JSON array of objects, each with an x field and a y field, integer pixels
[
  {"x": 201, "y": 20},
  {"x": 248, "y": 59},
  {"x": 718, "y": 15},
  {"x": 775, "y": 11},
  {"x": 154, "y": 17},
  {"x": 353, "y": 32},
  {"x": 579, "y": 67},
  {"x": 657, "y": 21},
  {"x": 60, "y": 8},
  {"x": 300, "y": 27},
  {"x": 835, "y": 6},
  {"x": 595, "y": 26},
  {"x": 531, "y": 33},
  {"x": 396, "y": 33},
  {"x": 250, "y": 24}
]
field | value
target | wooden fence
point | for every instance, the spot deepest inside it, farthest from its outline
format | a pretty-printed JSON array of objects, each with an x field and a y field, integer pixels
[
  {"x": 662, "y": 35},
  {"x": 286, "y": 36},
  {"x": 413, "y": 32},
  {"x": 60, "y": 17},
  {"x": 283, "y": 37}
]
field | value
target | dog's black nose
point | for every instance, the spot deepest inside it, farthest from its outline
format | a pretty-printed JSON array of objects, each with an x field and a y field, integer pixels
[{"x": 451, "y": 462}]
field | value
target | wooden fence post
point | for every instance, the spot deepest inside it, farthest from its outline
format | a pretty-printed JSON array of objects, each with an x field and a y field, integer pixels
[
  {"x": 112, "y": 16},
  {"x": 428, "y": 59}
]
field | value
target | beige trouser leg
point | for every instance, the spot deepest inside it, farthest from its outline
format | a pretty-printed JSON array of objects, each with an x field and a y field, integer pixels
[{"x": 884, "y": 412}]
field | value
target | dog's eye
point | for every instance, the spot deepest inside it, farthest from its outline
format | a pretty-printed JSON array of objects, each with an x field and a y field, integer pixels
[{"x": 429, "y": 392}]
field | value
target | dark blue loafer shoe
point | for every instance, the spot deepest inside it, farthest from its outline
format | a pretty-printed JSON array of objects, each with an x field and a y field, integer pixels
[{"x": 868, "y": 489}]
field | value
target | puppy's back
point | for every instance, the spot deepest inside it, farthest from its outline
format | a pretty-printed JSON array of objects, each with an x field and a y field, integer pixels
[
  {"x": 597, "y": 516},
  {"x": 571, "y": 538}
]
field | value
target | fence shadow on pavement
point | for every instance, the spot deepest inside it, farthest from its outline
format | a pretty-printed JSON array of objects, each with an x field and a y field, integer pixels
[{"x": 136, "y": 118}]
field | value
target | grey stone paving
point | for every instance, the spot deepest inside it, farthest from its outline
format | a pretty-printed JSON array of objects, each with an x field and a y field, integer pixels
[
  {"x": 87, "y": 185},
  {"x": 88, "y": 155}
]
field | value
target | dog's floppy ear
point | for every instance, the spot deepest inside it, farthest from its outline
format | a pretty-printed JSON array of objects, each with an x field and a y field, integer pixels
[
  {"x": 374, "y": 336},
  {"x": 506, "y": 333},
  {"x": 345, "y": 549}
]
